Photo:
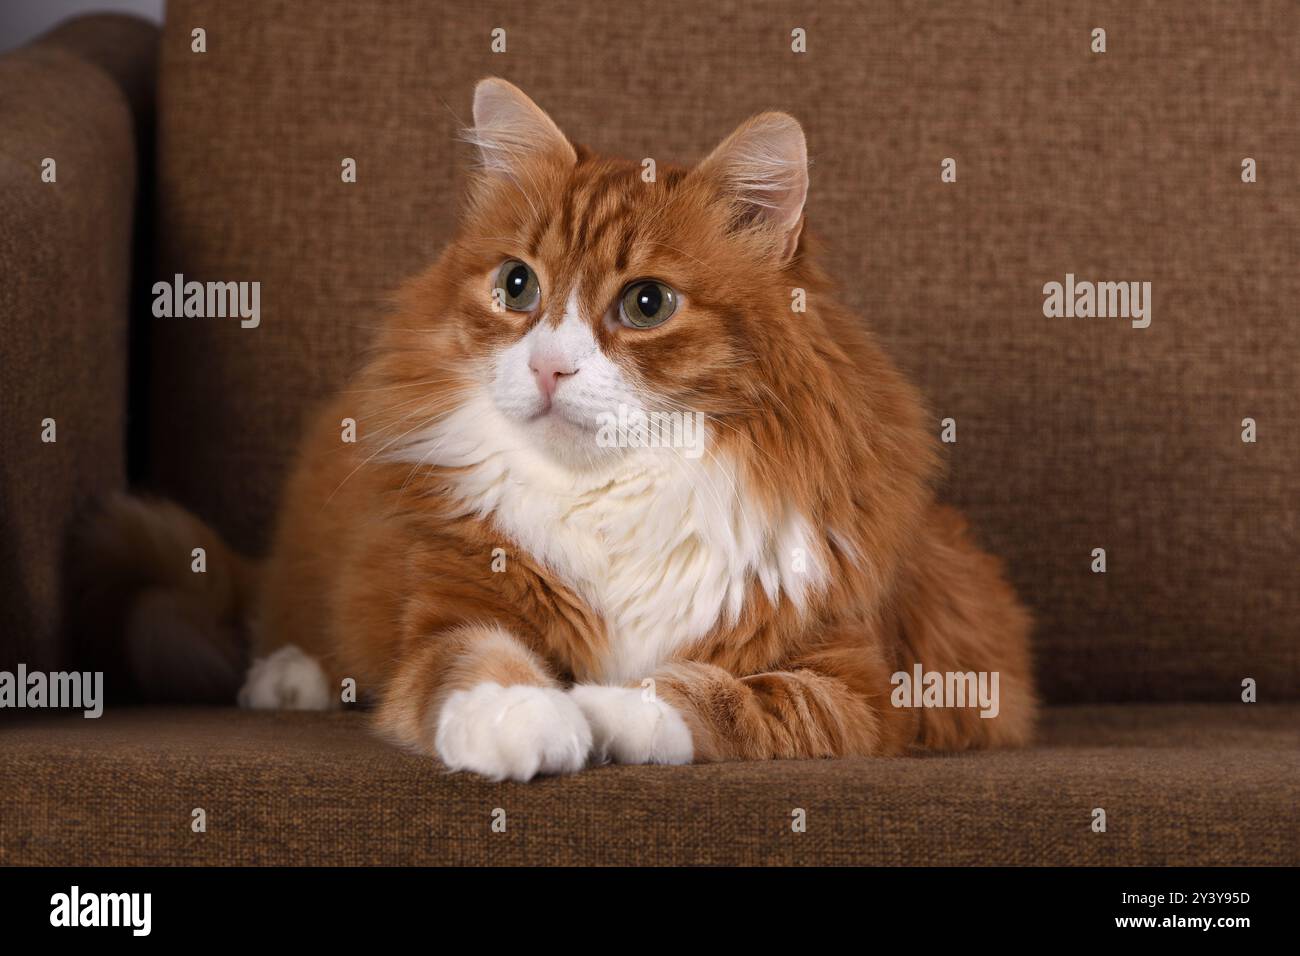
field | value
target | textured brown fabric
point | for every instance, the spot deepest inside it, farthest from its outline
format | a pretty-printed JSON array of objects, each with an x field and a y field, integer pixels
[
  {"x": 1180, "y": 784},
  {"x": 65, "y": 261},
  {"x": 1073, "y": 434}
]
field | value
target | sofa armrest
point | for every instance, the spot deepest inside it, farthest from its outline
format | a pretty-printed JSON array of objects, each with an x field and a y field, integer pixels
[{"x": 72, "y": 107}]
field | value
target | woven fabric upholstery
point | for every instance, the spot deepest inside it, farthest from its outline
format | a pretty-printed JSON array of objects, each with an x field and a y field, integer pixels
[
  {"x": 1180, "y": 784},
  {"x": 78, "y": 96}
]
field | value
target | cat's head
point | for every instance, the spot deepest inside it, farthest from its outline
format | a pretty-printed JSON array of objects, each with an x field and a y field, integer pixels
[{"x": 587, "y": 290}]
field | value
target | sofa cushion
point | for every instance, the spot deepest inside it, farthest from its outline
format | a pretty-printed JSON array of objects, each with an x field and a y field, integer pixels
[
  {"x": 1072, "y": 433},
  {"x": 1180, "y": 784}
]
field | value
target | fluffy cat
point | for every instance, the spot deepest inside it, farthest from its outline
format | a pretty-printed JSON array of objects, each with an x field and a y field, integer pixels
[{"x": 518, "y": 590}]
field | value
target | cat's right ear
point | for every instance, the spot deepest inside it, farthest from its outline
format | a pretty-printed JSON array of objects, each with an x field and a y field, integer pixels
[{"x": 511, "y": 130}]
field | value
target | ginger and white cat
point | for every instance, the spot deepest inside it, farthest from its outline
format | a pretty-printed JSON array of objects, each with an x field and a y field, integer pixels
[{"x": 518, "y": 596}]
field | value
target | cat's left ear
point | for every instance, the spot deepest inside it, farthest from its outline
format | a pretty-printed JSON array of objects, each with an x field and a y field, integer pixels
[
  {"x": 763, "y": 169},
  {"x": 510, "y": 129}
]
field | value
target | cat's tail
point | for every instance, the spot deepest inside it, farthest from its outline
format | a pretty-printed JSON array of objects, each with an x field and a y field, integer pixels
[{"x": 160, "y": 601}]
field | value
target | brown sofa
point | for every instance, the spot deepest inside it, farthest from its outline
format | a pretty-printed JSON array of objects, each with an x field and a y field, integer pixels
[{"x": 1073, "y": 433}]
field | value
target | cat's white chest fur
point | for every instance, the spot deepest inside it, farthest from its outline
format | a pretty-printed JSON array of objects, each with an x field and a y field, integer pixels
[{"x": 663, "y": 547}]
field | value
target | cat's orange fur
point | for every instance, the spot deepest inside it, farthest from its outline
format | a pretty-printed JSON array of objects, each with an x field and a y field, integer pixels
[{"x": 381, "y": 572}]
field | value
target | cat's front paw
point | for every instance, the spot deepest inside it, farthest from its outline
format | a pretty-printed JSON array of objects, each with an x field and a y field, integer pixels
[
  {"x": 512, "y": 732},
  {"x": 628, "y": 726}
]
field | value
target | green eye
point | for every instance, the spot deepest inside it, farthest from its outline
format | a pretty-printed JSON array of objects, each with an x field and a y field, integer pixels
[
  {"x": 518, "y": 284},
  {"x": 647, "y": 304}
]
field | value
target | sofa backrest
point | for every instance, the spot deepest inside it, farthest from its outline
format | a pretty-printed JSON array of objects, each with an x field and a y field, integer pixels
[{"x": 1073, "y": 434}]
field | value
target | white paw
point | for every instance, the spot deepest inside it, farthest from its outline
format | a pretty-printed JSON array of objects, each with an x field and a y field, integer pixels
[
  {"x": 512, "y": 732},
  {"x": 629, "y": 728},
  {"x": 289, "y": 679}
]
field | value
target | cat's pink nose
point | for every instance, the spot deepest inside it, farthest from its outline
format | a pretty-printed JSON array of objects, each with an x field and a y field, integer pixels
[{"x": 547, "y": 372}]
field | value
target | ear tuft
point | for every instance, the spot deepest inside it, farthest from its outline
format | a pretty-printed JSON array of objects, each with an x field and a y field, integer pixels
[
  {"x": 510, "y": 129},
  {"x": 763, "y": 168}
]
